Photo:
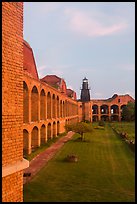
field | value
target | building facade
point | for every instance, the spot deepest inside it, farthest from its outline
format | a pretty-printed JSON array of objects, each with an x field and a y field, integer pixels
[{"x": 36, "y": 110}]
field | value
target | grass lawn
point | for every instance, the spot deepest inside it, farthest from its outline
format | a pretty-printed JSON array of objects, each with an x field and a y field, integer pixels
[
  {"x": 128, "y": 127},
  {"x": 105, "y": 172}
]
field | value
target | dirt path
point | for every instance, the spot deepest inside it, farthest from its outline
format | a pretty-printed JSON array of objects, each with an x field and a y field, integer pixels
[{"x": 41, "y": 160}]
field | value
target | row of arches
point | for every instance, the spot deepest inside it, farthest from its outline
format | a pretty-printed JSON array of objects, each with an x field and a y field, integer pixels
[
  {"x": 38, "y": 135},
  {"x": 105, "y": 109},
  {"x": 41, "y": 105},
  {"x": 107, "y": 112}
]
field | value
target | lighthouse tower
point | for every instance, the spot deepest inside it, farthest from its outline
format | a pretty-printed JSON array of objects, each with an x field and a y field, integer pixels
[{"x": 85, "y": 95}]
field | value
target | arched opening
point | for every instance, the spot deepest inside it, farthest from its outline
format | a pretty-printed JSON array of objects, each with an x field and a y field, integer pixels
[
  {"x": 105, "y": 117},
  {"x": 104, "y": 109},
  {"x": 34, "y": 138},
  {"x": 53, "y": 106},
  {"x": 25, "y": 142},
  {"x": 114, "y": 109},
  {"x": 25, "y": 103},
  {"x": 49, "y": 105},
  {"x": 94, "y": 109},
  {"x": 95, "y": 118},
  {"x": 57, "y": 107},
  {"x": 34, "y": 104},
  {"x": 121, "y": 110},
  {"x": 42, "y": 105},
  {"x": 61, "y": 109},
  {"x": 49, "y": 131},
  {"x": 114, "y": 118},
  {"x": 54, "y": 130},
  {"x": 43, "y": 134},
  {"x": 58, "y": 128}
]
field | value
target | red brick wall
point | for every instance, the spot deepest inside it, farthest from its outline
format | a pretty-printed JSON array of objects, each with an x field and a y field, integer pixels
[{"x": 12, "y": 96}]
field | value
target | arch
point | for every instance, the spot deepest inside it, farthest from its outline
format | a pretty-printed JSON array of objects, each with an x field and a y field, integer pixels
[
  {"x": 58, "y": 127},
  {"x": 49, "y": 106},
  {"x": 114, "y": 118},
  {"x": 57, "y": 107},
  {"x": 105, "y": 117},
  {"x": 43, "y": 134},
  {"x": 25, "y": 142},
  {"x": 49, "y": 131},
  {"x": 34, "y": 104},
  {"x": 54, "y": 129},
  {"x": 95, "y": 118},
  {"x": 42, "y": 105},
  {"x": 34, "y": 138},
  {"x": 104, "y": 109},
  {"x": 25, "y": 103},
  {"x": 95, "y": 109},
  {"x": 53, "y": 106},
  {"x": 114, "y": 109},
  {"x": 61, "y": 108},
  {"x": 121, "y": 110}
]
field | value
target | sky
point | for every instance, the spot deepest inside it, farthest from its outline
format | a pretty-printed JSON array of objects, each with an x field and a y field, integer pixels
[{"x": 74, "y": 40}]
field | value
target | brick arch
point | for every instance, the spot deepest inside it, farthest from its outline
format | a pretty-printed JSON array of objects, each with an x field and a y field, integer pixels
[
  {"x": 57, "y": 106},
  {"x": 49, "y": 131},
  {"x": 34, "y": 138},
  {"x": 25, "y": 103},
  {"x": 104, "y": 109},
  {"x": 25, "y": 141},
  {"x": 34, "y": 104},
  {"x": 114, "y": 109},
  {"x": 54, "y": 129},
  {"x": 53, "y": 106},
  {"x": 42, "y": 105},
  {"x": 49, "y": 105},
  {"x": 95, "y": 109},
  {"x": 43, "y": 138},
  {"x": 61, "y": 111},
  {"x": 58, "y": 127}
]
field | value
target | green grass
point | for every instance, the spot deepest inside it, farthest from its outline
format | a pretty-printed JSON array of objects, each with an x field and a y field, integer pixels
[
  {"x": 128, "y": 127},
  {"x": 105, "y": 172},
  {"x": 43, "y": 147}
]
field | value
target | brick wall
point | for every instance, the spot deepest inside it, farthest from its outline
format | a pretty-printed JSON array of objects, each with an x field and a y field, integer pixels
[{"x": 12, "y": 97}]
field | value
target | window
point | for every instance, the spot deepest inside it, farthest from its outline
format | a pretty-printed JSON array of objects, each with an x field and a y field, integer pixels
[{"x": 119, "y": 100}]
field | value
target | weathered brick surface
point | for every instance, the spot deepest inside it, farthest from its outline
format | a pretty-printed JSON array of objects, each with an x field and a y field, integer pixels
[
  {"x": 12, "y": 96},
  {"x": 12, "y": 187}
]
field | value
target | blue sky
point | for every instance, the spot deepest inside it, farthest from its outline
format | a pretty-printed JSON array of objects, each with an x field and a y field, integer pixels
[{"x": 74, "y": 40}]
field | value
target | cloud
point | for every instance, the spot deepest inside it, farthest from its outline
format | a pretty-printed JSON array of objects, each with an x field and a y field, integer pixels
[{"x": 94, "y": 24}]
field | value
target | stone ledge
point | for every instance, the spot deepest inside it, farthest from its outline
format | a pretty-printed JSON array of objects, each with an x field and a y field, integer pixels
[{"x": 13, "y": 168}]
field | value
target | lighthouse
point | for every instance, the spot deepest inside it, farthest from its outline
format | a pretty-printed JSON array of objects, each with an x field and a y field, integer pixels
[{"x": 85, "y": 94}]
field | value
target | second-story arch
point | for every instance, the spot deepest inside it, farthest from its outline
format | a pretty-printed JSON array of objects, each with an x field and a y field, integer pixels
[
  {"x": 42, "y": 105},
  {"x": 95, "y": 109},
  {"x": 49, "y": 105},
  {"x": 114, "y": 109},
  {"x": 25, "y": 103},
  {"x": 104, "y": 109},
  {"x": 57, "y": 107},
  {"x": 53, "y": 106},
  {"x": 34, "y": 104}
]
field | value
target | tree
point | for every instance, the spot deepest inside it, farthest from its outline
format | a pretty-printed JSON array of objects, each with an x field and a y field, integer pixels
[
  {"x": 80, "y": 128},
  {"x": 128, "y": 112}
]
